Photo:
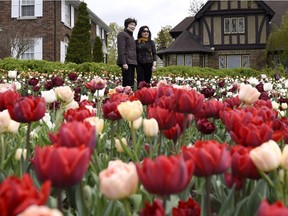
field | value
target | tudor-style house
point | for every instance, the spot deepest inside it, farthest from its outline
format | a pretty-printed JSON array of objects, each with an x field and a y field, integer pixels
[
  {"x": 47, "y": 25},
  {"x": 225, "y": 34}
]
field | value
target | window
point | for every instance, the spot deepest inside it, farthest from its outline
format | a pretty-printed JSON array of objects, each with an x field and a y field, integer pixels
[
  {"x": 63, "y": 49},
  {"x": 234, "y": 25},
  {"x": 188, "y": 60},
  {"x": 67, "y": 13},
  {"x": 34, "y": 51},
  {"x": 234, "y": 61},
  {"x": 26, "y": 8},
  {"x": 180, "y": 60}
]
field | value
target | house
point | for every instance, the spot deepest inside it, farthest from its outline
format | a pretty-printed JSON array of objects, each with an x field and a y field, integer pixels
[
  {"x": 46, "y": 25},
  {"x": 225, "y": 34}
]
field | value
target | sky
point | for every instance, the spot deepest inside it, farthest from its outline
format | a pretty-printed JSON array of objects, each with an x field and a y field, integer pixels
[{"x": 153, "y": 13}]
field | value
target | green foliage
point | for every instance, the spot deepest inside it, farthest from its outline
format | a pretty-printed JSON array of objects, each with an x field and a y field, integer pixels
[
  {"x": 79, "y": 47},
  {"x": 163, "y": 39},
  {"x": 112, "y": 42},
  {"x": 98, "y": 55},
  {"x": 277, "y": 44}
]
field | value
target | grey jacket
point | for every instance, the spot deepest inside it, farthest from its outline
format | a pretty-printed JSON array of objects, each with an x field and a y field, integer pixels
[{"x": 126, "y": 49}]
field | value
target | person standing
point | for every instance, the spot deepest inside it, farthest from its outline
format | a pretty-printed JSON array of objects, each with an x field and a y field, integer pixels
[
  {"x": 146, "y": 55},
  {"x": 127, "y": 57}
]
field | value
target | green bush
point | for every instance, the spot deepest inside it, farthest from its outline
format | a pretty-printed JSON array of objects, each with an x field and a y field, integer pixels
[{"x": 100, "y": 69}]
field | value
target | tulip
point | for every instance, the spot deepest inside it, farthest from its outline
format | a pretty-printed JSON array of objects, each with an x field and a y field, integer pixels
[
  {"x": 7, "y": 124},
  {"x": 16, "y": 194},
  {"x": 165, "y": 118},
  {"x": 165, "y": 175},
  {"x": 267, "y": 156},
  {"x": 204, "y": 126},
  {"x": 268, "y": 86},
  {"x": 119, "y": 180},
  {"x": 109, "y": 107},
  {"x": 19, "y": 153},
  {"x": 97, "y": 122},
  {"x": 210, "y": 157},
  {"x": 64, "y": 94},
  {"x": 248, "y": 94},
  {"x": 146, "y": 95},
  {"x": 190, "y": 207},
  {"x": 12, "y": 74},
  {"x": 27, "y": 109},
  {"x": 136, "y": 123},
  {"x": 130, "y": 111},
  {"x": 284, "y": 162},
  {"x": 75, "y": 134},
  {"x": 154, "y": 209},
  {"x": 234, "y": 180},
  {"x": 277, "y": 208},
  {"x": 150, "y": 127},
  {"x": 35, "y": 210},
  {"x": 49, "y": 96},
  {"x": 78, "y": 114},
  {"x": 8, "y": 95},
  {"x": 242, "y": 164},
  {"x": 187, "y": 101},
  {"x": 118, "y": 145},
  {"x": 63, "y": 166},
  {"x": 96, "y": 84}
]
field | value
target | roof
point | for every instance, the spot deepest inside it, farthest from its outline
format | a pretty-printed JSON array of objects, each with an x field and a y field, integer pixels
[
  {"x": 183, "y": 25},
  {"x": 280, "y": 8},
  {"x": 93, "y": 16},
  {"x": 185, "y": 43}
]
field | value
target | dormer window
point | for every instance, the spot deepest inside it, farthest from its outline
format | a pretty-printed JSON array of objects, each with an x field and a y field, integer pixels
[{"x": 234, "y": 25}]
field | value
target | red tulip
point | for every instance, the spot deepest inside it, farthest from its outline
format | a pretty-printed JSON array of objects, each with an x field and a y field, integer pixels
[
  {"x": 234, "y": 180},
  {"x": 146, "y": 95},
  {"x": 210, "y": 157},
  {"x": 210, "y": 109},
  {"x": 276, "y": 209},
  {"x": 205, "y": 126},
  {"x": 242, "y": 165},
  {"x": 63, "y": 166},
  {"x": 155, "y": 209},
  {"x": 75, "y": 134},
  {"x": 17, "y": 194},
  {"x": 109, "y": 108},
  {"x": 165, "y": 175},
  {"x": 78, "y": 114},
  {"x": 173, "y": 133},
  {"x": 8, "y": 98},
  {"x": 188, "y": 208},
  {"x": 186, "y": 101},
  {"x": 27, "y": 109},
  {"x": 164, "y": 117}
]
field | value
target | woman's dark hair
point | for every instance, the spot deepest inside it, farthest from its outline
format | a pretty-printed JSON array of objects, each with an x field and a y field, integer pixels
[
  {"x": 128, "y": 21},
  {"x": 141, "y": 29}
]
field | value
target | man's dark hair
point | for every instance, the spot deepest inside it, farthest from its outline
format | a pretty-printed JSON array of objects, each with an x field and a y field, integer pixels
[{"x": 129, "y": 20}]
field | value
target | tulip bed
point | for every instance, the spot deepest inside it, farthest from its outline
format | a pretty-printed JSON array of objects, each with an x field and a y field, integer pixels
[{"x": 77, "y": 144}]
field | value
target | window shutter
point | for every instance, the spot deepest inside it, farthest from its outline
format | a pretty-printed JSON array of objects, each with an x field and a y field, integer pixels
[
  {"x": 38, "y": 8},
  {"x": 38, "y": 47},
  {"x": 72, "y": 16},
  {"x": 63, "y": 11},
  {"x": 15, "y": 8},
  {"x": 62, "y": 52}
]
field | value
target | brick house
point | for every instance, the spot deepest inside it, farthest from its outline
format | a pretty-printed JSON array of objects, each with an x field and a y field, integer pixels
[
  {"x": 49, "y": 24},
  {"x": 225, "y": 34}
]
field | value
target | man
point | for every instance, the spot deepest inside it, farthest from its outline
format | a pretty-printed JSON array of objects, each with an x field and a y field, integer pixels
[{"x": 127, "y": 57}]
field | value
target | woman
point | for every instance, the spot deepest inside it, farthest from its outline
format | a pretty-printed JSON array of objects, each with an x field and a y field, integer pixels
[
  {"x": 127, "y": 52},
  {"x": 146, "y": 55}
]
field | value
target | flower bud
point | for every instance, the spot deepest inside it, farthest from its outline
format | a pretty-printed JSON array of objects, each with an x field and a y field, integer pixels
[
  {"x": 118, "y": 145},
  {"x": 150, "y": 127},
  {"x": 130, "y": 110},
  {"x": 137, "y": 123},
  {"x": 19, "y": 152}
]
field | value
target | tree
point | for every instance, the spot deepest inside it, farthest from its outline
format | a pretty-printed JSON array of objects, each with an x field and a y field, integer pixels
[
  {"x": 15, "y": 40},
  {"x": 195, "y": 6},
  {"x": 98, "y": 55},
  {"x": 112, "y": 42},
  {"x": 79, "y": 47},
  {"x": 277, "y": 43},
  {"x": 163, "y": 38}
]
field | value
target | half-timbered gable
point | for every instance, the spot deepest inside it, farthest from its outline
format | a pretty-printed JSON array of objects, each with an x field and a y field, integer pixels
[{"x": 232, "y": 33}]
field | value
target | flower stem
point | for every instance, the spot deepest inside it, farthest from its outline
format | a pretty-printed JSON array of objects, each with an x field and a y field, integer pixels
[
  {"x": 206, "y": 202},
  {"x": 3, "y": 149},
  {"x": 59, "y": 199},
  {"x": 127, "y": 207},
  {"x": 28, "y": 140},
  {"x": 112, "y": 139}
]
